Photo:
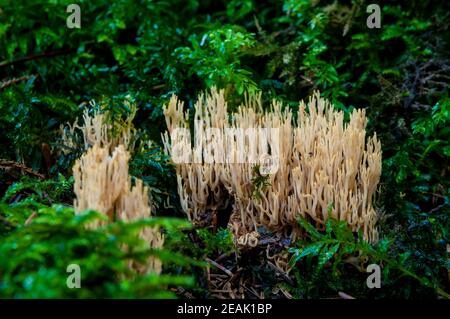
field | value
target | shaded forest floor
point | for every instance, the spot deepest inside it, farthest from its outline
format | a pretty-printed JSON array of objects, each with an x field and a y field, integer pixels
[{"x": 130, "y": 57}]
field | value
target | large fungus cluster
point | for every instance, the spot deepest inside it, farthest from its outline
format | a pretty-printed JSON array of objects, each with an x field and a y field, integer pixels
[
  {"x": 314, "y": 165},
  {"x": 102, "y": 183}
]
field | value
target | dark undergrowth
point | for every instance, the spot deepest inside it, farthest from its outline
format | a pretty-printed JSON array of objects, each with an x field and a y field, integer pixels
[{"x": 146, "y": 51}]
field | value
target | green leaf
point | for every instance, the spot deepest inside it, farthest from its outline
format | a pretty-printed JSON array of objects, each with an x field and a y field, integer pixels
[
  {"x": 310, "y": 250},
  {"x": 327, "y": 253},
  {"x": 309, "y": 228}
]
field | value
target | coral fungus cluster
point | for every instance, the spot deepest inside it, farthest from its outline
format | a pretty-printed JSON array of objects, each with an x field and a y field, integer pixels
[
  {"x": 319, "y": 165},
  {"x": 102, "y": 183}
]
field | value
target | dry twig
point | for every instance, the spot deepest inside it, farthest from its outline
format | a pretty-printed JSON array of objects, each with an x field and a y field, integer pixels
[{"x": 6, "y": 164}]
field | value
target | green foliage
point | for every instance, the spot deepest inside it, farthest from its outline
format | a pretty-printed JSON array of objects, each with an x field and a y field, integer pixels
[
  {"x": 218, "y": 243},
  {"x": 155, "y": 168},
  {"x": 259, "y": 182},
  {"x": 45, "y": 192},
  {"x": 202, "y": 243},
  {"x": 28, "y": 121},
  {"x": 142, "y": 52},
  {"x": 34, "y": 258},
  {"x": 216, "y": 59},
  {"x": 333, "y": 250}
]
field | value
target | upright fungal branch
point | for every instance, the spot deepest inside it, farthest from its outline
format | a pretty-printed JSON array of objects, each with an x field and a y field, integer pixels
[
  {"x": 102, "y": 183},
  {"x": 100, "y": 179},
  {"x": 98, "y": 129},
  {"x": 320, "y": 165}
]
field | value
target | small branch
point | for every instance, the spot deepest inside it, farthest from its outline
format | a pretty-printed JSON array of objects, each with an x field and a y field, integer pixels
[
  {"x": 185, "y": 293},
  {"x": 30, "y": 219},
  {"x": 343, "y": 295},
  {"x": 437, "y": 208},
  {"x": 7, "y": 83},
  {"x": 5, "y": 164},
  {"x": 212, "y": 262},
  {"x": 36, "y": 56},
  {"x": 158, "y": 87},
  {"x": 281, "y": 272},
  {"x": 252, "y": 291},
  {"x": 434, "y": 194}
]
